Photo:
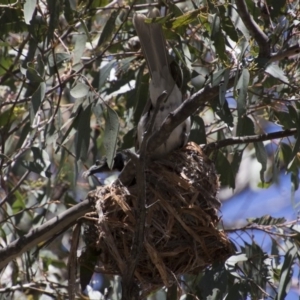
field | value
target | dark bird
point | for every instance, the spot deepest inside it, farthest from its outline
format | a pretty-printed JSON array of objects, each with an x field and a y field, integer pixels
[{"x": 101, "y": 166}]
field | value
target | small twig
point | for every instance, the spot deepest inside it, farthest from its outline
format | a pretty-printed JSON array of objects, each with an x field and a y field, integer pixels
[
  {"x": 267, "y": 228},
  {"x": 249, "y": 139}
]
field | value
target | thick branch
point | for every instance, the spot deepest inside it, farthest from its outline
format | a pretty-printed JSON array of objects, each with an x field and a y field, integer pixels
[
  {"x": 259, "y": 36},
  {"x": 249, "y": 139},
  {"x": 42, "y": 233},
  {"x": 128, "y": 287}
]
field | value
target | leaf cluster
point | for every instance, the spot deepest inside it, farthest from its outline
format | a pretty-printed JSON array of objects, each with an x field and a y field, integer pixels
[{"x": 73, "y": 85}]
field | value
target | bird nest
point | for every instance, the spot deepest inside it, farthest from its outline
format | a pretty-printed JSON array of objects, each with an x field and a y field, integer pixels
[{"x": 181, "y": 234}]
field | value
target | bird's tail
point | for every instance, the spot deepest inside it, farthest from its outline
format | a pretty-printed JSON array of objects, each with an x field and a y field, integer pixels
[{"x": 153, "y": 45}]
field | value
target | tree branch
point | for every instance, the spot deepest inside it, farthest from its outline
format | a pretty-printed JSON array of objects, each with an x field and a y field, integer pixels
[
  {"x": 43, "y": 232},
  {"x": 128, "y": 287},
  {"x": 249, "y": 139},
  {"x": 287, "y": 53},
  {"x": 259, "y": 36}
]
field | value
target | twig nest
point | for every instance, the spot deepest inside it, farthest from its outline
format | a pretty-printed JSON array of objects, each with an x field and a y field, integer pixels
[{"x": 181, "y": 234}]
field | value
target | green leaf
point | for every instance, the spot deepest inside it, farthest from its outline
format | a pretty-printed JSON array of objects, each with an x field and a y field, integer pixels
[
  {"x": 40, "y": 68},
  {"x": 229, "y": 29},
  {"x": 129, "y": 139},
  {"x": 242, "y": 87},
  {"x": 68, "y": 6},
  {"x": 183, "y": 20},
  {"x": 83, "y": 134},
  {"x": 198, "y": 134},
  {"x": 88, "y": 261},
  {"x": 293, "y": 114},
  {"x": 7, "y": 115},
  {"x": 284, "y": 119},
  {"x": 80, "y": 90},
  {"x": 295, "y": 181},
  {"x": 105, "y": 71},
  {"x": 37, "y": 98},
  {"x": 58, "y": 59},
  {"x": 297, "y": 145},
  {"x": 54, "y": 7},
  {"x": 217, "y": 77},
  {"x": 214, "y": 281},
  {"x": 255, "y": 267},
  {"x": 286, "y": 153},
  {"x": 79, "y": 47},
  {"x": 218, "y": 38},
  {"x": 223, "y": 88},
  {"x": 262, "y": 157},
  {"x": 33, "y": 75},
  {"x": 24, "y": 132},
  {"x": 236, "y": 161},
  {"x": 18, "y": 205},
  {"x": 108, "y": 29},
  {"x": 286, "y": 273},
  {"x": 72, "y": 128},
  {"x": 29, "y": 7},
  {"x": 238, "y": 23},
  {"x": 245, "y": 127},
  {"x": 111, "y": 135},
  {"x": 223, "y": 112},
  {"x": 275, "y": 71},
  {"x": 40, "y": 163},
  {"x": 231, "y": 262},
  {"x": 224, "y": 169}
]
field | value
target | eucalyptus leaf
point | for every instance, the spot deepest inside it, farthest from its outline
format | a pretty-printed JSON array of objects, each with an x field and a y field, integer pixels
[
  {"x": 58, "y": 58},
  {"x": 80, "y": 90},
  {"x": 29, "y": 8},
  {"x": 184, "y": 19},
  {"x": 261, "y": 156},
  {"x": 111, "y": 135},
  {"x": 224, "y": 169},
  {"x": 83, "y": 134},
  {"x": 242, "y": 87},
  {"x": 286, "y": 273},
  {"x": 275, "y": 71},
  {"x": 105, "y": 71},
  {"x": 40, "y": 163},
  {"x": 37, "y": 98},
  {"x": 108, "y": 29}
]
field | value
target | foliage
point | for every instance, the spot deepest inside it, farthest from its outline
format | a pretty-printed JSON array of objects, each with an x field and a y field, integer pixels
[{"x": 73, "y": 85}]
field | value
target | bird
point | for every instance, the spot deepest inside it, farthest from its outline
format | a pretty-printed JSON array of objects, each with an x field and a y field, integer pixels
[
  {"x": 101, "y": 167},
  {"x": 153, "y": 45}
]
